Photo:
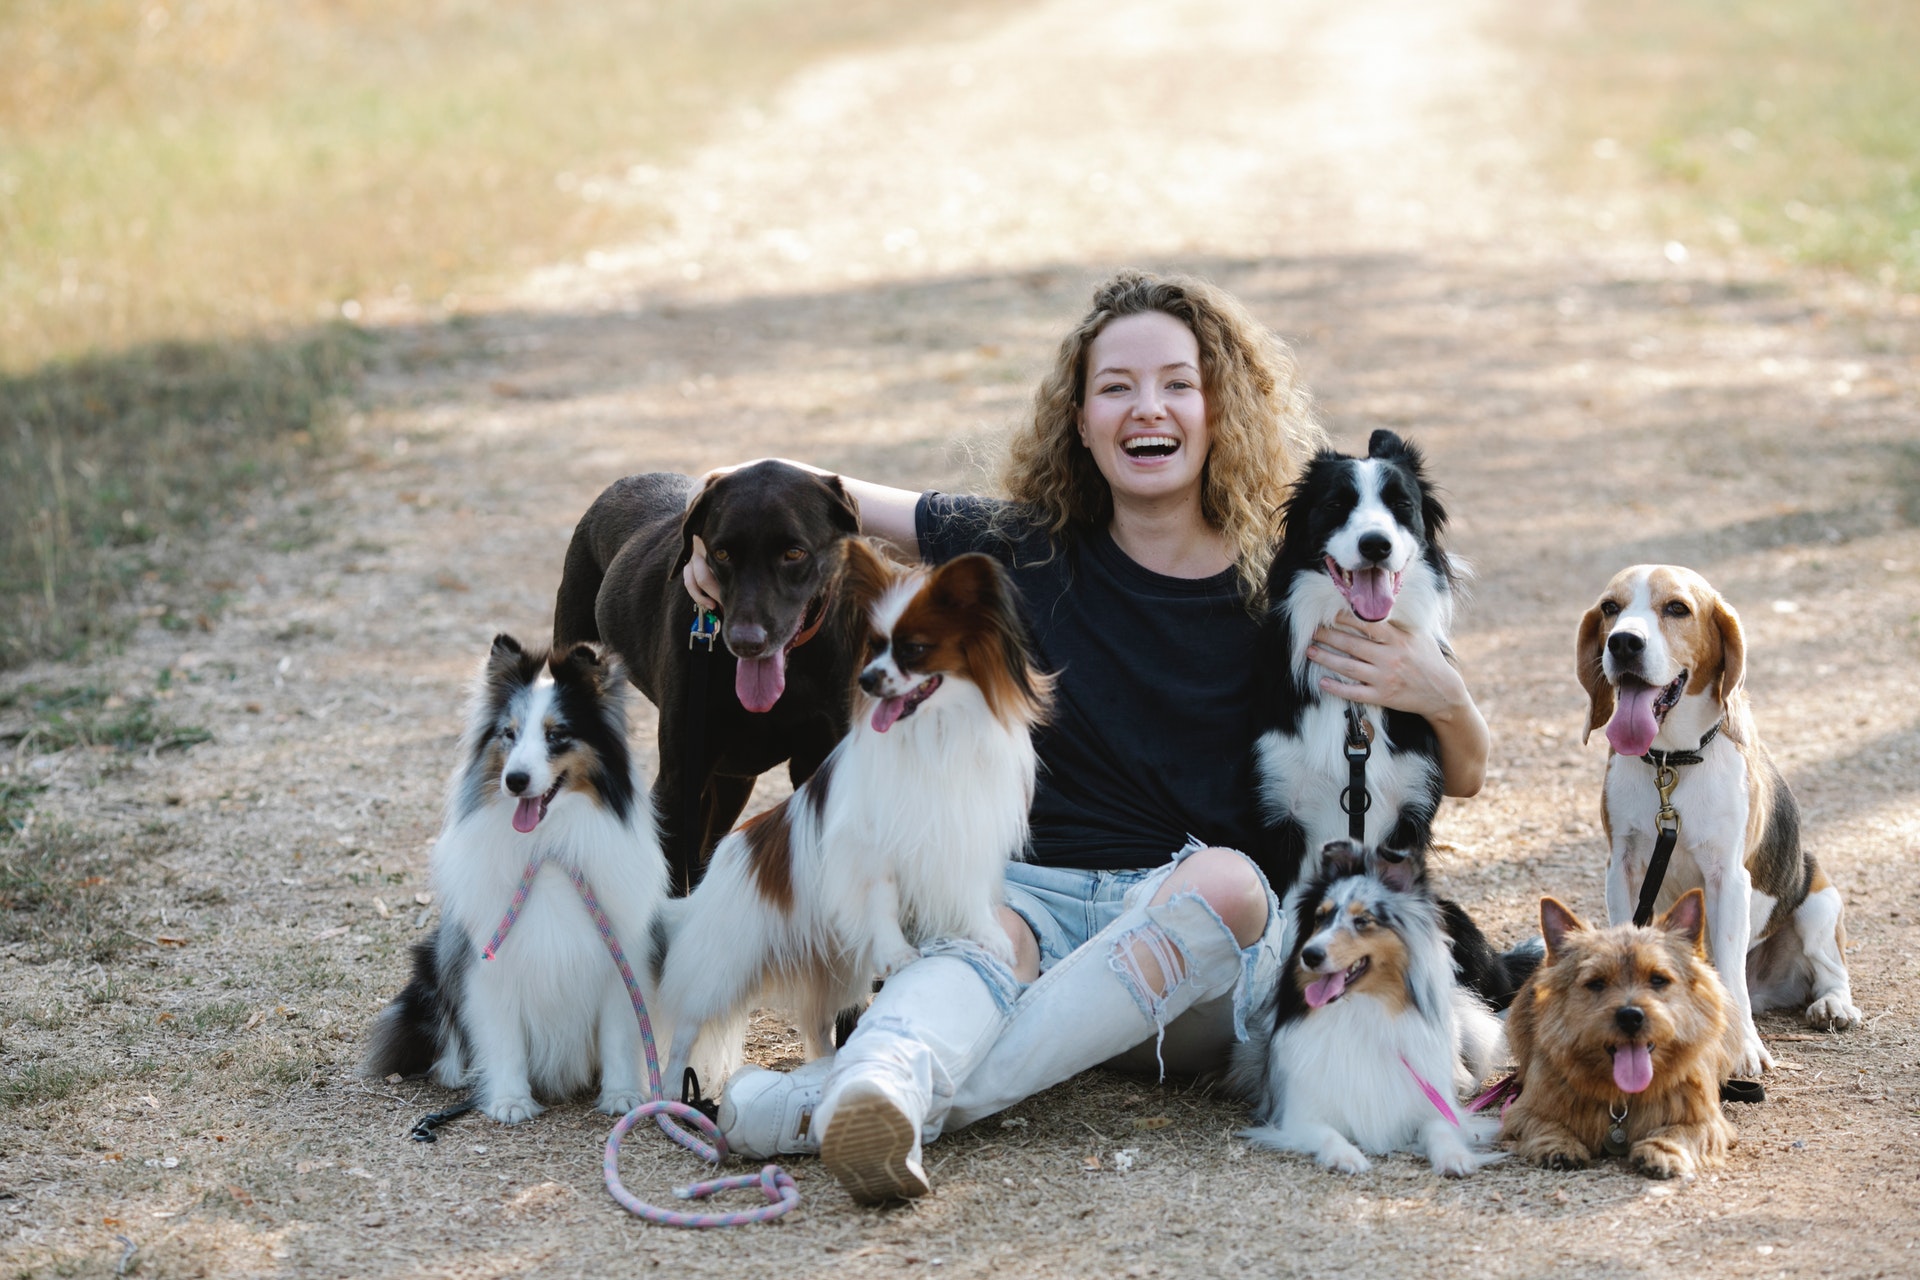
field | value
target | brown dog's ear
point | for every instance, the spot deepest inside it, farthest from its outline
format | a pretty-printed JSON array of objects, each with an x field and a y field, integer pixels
[
  {"x": 694, "y": 522},
  {"x": 1593, "y": 676},
  {"x": 868, "y": 574},
  {"x": 845, "y": 510},
  {"x": 1688, "y": 918},
  {"x": 1733, "y": 649},
  {"x": 1556, "y": 922}
]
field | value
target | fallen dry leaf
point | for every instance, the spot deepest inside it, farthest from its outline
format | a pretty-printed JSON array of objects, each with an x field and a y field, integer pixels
[{"x": 1151, "y": 1122}]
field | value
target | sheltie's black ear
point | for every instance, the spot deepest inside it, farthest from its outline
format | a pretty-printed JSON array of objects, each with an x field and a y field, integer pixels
[
  {"x": 505, "y": 648},
  {"x": 1340, "y": 858},
  {"x": 1394, "y": 869}
]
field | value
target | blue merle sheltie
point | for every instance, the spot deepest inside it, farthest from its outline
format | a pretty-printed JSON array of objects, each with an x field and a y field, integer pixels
[
  {"x": 544, "y": 771},
  {"x": 1362, "y": 535},
  {"x": 1369, "y": 1039}
]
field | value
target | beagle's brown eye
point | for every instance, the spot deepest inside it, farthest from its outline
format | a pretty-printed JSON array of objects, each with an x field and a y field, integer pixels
[
  {"x": 1608, "y": 609},
  {"x": 1676, "y": 609},
  {"x": 794, "y": 555}
]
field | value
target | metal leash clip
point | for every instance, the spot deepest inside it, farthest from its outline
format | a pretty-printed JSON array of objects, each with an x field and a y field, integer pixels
[{"x": 706, "y": 626}]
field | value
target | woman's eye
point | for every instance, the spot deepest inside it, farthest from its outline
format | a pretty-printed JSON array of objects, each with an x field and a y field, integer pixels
[{"x": 794, "y": 555}]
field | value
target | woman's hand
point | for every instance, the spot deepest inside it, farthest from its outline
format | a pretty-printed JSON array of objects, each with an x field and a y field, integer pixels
[
  {"x": 1387, "y": 666},
  {"x": 699, "y": 579}
]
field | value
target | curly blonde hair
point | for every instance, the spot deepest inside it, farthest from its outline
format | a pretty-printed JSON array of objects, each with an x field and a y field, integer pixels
[{"x": 1259, "y": 415}]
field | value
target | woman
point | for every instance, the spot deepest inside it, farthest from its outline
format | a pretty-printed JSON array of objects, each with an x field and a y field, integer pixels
[{"x": 1144, "y": 503}]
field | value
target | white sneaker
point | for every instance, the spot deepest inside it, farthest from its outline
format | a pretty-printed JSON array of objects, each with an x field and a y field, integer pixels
[
  {"x": 872, "y": 1144},
  {"x": 770, "y": 1113}
]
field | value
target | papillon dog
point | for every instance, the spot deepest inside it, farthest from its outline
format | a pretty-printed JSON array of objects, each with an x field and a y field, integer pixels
[
  {"x": 545, "y": 773},
  {"x": 903, "y": 835},
  {"x": 1369, "y": 1039}
]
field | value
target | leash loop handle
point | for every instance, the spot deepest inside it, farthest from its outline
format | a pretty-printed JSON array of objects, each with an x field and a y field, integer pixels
[
  {"x": 1355, "y": 800},
  {"x": 709, "y": 1143}
]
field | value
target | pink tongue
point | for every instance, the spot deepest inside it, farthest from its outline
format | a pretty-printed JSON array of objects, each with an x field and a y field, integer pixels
[
  {"x": 1633, "y": 728},
  {"x": 1321, "y": 990},
  {"x": 887, "y": 712},
  {"x": 526, "y": 815},
  {"x": 759, "y": 682},
  {"x": 1371, "y": 594},
  {"x": 1633, "y": 1067}
]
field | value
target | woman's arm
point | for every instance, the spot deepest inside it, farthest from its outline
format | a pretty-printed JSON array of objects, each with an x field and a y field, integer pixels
[
  {"x": 1386, "y": 666},
  {"x": 885, "y": 512}
]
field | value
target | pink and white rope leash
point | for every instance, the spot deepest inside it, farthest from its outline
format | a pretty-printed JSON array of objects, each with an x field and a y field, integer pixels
[{"x": 775, "y": 1183}]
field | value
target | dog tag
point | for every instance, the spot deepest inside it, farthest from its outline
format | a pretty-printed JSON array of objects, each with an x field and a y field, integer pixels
[
  {"x": 706, "y": 626},
  {"x": 1616, "y": 1143}
]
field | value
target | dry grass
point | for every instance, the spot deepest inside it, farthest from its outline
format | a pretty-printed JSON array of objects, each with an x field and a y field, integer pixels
[{"x": 1793, "y": 125}]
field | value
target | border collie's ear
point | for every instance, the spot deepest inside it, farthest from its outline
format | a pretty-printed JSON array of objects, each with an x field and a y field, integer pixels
[
  {"x": 1733, "y": 648},
  {"x": 1556, "y": 922},
  {"x": 1593, "y": 676},
  {"x": 694, "y": 522},
  {"x": 1394, "y": 869},
  {"x": 868, "y": 574},
  {"x": 1688, "y": 919},
  {"x": 1385, "y": 444},
  {"x": 843, "y": 509}
]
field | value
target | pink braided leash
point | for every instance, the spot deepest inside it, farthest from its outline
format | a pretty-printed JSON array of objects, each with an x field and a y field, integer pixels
[{"x": 775, "y": 1183}]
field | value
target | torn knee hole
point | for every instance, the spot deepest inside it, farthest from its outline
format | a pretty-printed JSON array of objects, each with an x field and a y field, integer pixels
[{"x": 1150, "y": 961}]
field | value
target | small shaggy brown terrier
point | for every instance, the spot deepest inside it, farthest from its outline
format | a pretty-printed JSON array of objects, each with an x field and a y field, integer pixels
[{"x": 1622, "y": 1040}]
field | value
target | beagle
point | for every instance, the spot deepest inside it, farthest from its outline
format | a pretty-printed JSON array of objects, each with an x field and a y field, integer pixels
[{"x": 1662, "y": 659}]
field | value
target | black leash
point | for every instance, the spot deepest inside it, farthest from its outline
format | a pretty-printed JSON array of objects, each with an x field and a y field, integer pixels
[
  {"x": 1355, "y": 799},
  {"x": 1665, "y": 778},
  {"x": 423, "y": 1128}
]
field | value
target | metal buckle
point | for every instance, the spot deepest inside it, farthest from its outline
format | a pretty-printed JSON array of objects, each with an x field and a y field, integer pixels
[{"x": 706, "y": 626}]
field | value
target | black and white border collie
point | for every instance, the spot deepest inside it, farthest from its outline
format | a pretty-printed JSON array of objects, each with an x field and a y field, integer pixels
[
  {"x": 1362, "y": 534},
  {"x": 545, "y": 770},
  {"x": 1369, "y": 1039}
]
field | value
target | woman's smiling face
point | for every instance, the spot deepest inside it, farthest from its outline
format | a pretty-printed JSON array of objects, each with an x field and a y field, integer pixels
[{"x": 1144, "y": 415}]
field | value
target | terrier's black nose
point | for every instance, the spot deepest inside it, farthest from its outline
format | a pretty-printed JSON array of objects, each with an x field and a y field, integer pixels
[
  {"x": 517, "y": 781},
  {"x": 1625, "y": 644},
  {"x": 1376, "y": 547},
  {"x": 1313, "y": 957},
  {"x": 1630, "y": 1018}
]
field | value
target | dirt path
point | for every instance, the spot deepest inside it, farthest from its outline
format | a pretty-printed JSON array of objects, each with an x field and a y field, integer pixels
[{"x": 870, "y": 275}]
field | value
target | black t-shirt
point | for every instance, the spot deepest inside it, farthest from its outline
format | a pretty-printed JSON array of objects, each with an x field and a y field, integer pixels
[{"x": 1153, "y": 713}]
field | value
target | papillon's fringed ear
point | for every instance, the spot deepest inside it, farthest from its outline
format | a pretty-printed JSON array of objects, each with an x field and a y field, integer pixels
[
  {"x": 1593, "y": 676},
  {"x": 1556, "y": 922},
  {"x": 868, "y": 573},
  {"x": 1688, "y": 919},
  {"x": 976, "y": 587}
]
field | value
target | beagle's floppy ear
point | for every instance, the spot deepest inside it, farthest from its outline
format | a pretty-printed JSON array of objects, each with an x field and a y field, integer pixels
[
  {"x": 1593, "y": 676},
  {"x": 1733, "y": 649},
  {"x": 694, "y": 522},
  {"x": 1556, "y": 922}
]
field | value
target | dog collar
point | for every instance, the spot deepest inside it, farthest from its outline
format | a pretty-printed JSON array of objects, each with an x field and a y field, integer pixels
[
  {"x": 808, "y": 630},
  {"x": 1665, "y": 759}
]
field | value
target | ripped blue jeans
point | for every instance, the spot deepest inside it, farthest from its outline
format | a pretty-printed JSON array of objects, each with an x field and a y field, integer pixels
[{"x": 1065, "y": 907}]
